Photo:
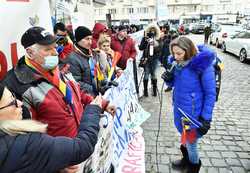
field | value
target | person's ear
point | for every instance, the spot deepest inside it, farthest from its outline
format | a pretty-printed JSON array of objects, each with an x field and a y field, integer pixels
[{"x": 29, "y": 51}]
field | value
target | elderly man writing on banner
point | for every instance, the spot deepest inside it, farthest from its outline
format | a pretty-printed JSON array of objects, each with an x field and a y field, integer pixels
[{"x": 51, "y": 96}]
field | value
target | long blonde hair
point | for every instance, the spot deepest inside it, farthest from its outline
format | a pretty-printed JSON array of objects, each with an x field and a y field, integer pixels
[
  {"x": 103, "y": 38},
  {"x": 15, "y": 127}
]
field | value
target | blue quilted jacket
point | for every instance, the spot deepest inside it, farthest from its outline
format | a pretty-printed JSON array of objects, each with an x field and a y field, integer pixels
[{"x": 194, "y": 87}]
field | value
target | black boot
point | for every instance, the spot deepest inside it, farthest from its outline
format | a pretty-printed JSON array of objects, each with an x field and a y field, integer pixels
[
  {"x": 145, "y": 91},
  {"x": 194, "y": 168},
  {"x": 154, "y": 83},
  {"x": 183, "y": 163}
]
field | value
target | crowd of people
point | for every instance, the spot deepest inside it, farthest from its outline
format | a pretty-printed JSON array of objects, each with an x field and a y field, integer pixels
[{"x": 57, "y": 87}]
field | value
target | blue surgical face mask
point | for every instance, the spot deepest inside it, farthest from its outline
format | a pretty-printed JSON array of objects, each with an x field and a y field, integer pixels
[{"x": 50, "y": 62}]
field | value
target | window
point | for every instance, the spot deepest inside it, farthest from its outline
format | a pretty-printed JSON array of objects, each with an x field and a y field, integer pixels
[
  {"x": 247, "y": 35},
  {"x": 112, "y": 11},
  {"x": 243, "y": 35},
  {"x": 123, "y": 10},
  {"x": 130, "y": 10}
]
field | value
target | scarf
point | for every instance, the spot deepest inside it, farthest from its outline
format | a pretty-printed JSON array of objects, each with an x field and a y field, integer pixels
[
  {"x": 84, "y": 51},
  {"x": 54, "y": 78},
  {"x": 179, "y": 65}
]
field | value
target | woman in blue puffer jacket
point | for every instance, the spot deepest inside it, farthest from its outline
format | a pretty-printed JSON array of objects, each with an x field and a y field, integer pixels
[{"x": 191, "y": 74}]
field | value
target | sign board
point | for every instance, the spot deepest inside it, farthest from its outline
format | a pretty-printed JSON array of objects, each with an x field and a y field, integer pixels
[{"x": 15, "y": 18}]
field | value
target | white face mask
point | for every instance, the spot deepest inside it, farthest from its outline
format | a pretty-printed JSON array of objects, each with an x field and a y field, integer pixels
[{"x": 50, "y": 62}]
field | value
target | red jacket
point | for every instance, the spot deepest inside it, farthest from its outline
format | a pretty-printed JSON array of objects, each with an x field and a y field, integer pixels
[
  {"x": 126, "y": 48},
  {"x": 97, "y": 30},
  {"x": 45, "y": 102}
]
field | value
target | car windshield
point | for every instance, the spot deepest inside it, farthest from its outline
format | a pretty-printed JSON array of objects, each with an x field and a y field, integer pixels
[
  {"x": 245, "y": 35},
  {"x": 230, "y": 28}
]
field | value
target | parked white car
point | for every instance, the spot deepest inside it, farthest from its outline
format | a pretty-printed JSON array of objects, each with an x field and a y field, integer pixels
[
  {"x": 239, "y": 44},
  {"x": 217, "y": 37}
]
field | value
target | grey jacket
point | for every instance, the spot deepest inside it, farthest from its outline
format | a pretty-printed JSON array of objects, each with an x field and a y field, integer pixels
[{"x": 80, "y": 69}]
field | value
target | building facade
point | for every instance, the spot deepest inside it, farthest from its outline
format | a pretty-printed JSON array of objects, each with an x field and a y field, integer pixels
[
  {"x": 129, "y": 11},
  {"x": 208, "y": 10},
  {"x": 144, "y": 11},
  {"x": 74, "y": 12}
]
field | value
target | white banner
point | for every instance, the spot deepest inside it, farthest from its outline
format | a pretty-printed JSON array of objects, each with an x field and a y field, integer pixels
[
  {"x": 134, "y": 160},
  {"x": 16, "y": 16},
  {"x": 120, "y": 139}
]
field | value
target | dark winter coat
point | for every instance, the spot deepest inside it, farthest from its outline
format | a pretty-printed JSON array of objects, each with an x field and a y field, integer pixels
[
  {"x": 80, "y": 69},
  {"x": 194, "y": 87},
  {"x": 42, "y": 153},
  {"x": 165, "y": 52}
]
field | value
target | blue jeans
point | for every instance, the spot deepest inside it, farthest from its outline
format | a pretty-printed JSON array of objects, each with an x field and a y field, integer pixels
[
  {"x": 150, "y": 69},
  {"x": 193, "y": 154}
]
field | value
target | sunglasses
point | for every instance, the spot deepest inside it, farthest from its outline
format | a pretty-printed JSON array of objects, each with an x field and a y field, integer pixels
[{"x": 12, "y": 103}]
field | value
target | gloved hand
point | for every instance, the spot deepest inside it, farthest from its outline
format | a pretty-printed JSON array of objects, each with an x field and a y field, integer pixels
[
  {"x": 205, "y": 126},
  {"x": 169, "y": 73},
  {"x": 167, "y": 76},
  {"x": 103, "y": 87},
  {"x": 113, "y": 83}
]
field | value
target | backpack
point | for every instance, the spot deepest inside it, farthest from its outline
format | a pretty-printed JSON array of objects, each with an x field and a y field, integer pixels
[{"x": 218, "y": 67}]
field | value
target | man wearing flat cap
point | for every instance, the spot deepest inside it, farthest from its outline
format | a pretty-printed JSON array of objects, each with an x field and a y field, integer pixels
[
  {"x": 124, "y": 44},
  {"x": 51, "y": 96}
]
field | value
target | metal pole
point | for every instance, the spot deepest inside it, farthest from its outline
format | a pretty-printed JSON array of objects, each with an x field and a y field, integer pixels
[
  {"x": 135, "y": 77},
  {"x": 156, "y": 10}
]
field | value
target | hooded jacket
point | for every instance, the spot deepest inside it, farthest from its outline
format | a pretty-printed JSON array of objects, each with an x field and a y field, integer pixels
[
  {"x": 144, "y": 45},
  {"x": 97, "y": 30},
  {"x": 156, "y": 28},
  {"x": 194, "y": 87}
]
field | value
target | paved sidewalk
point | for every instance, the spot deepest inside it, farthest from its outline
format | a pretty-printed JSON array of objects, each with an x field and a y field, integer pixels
[{"x": 226, "y": 148}]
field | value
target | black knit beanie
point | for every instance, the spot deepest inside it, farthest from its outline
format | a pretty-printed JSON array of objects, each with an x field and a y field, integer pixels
[
  {"x": 1, "y": 90},
  {"x": 81, "y": 32}
]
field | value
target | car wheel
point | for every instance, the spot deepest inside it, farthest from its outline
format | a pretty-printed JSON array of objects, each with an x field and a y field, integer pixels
[
  {"x": 243, "y": 55},
  {"x": 223, "y": 46},
  {"x": 217, "y": 44},
  {"x": 210, "y": 40}
]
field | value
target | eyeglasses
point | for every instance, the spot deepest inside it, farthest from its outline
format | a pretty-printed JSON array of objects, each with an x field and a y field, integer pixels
[{"x": 12, "y": 103}]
